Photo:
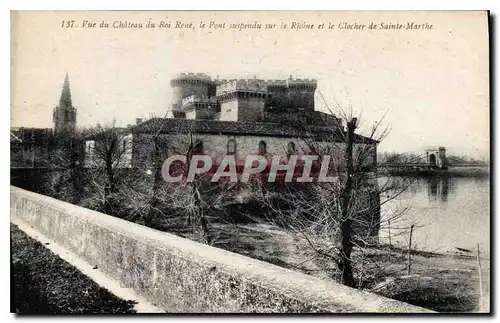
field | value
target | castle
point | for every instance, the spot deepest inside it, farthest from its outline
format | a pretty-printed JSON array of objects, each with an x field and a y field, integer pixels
[
  {"x": 239, "y": 117},
  {"x": 198, "y": 96}
]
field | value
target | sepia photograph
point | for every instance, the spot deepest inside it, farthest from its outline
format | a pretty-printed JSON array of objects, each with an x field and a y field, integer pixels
[{"x": 216, "y": 162}]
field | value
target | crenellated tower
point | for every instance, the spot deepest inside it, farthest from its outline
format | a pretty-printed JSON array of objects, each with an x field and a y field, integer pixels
[
  {"x": 277, "y": 99},
  {"x": 186, "y": 85},
  {"x": 64, "y": 115},
  {"x": 242, "y": 100},
  {"x": 301, "y": 94},
  {"x": 198, "y": 96}
]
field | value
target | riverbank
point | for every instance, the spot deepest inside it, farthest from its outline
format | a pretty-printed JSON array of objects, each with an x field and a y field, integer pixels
[
  {"x": 471, "y": 172},
  {"x": 43, "y": 283},
  {"x": 440, "y": 282}
]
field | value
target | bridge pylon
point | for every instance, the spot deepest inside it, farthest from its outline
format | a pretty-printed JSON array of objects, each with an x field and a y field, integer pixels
[{"x": 436, "y": 157}]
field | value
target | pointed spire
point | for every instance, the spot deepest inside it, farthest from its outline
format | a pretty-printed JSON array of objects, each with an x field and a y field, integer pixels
[
  {"x": 64, "y": 115},
  {"x": 66, "y": 93}
]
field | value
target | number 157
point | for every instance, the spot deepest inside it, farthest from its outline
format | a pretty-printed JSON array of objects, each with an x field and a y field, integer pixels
[{"x": 67, "y": 23}]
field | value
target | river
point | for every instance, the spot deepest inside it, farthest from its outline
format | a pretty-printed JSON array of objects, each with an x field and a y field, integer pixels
[{"x": 448, "y": 213}]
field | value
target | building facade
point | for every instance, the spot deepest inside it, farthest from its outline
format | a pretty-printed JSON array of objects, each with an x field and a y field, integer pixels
[
  {"x": 217, "y": 139},
  {"x": 30, "y": 147}
]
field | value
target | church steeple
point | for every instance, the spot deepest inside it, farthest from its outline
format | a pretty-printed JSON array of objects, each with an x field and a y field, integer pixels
[
  {"x": 64, "y": 116},
  {"x": 66, "y": 93}
]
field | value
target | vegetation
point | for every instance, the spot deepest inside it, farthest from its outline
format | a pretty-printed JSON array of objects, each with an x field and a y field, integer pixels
[
  {"x": 333, "y": 222},
  {"x": 43, "y": 283}
]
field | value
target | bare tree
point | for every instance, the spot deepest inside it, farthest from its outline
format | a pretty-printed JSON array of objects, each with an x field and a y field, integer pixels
[
  {"x": 399, "y": 158},
  {"x": 107, "y": 158},
  {"x": 65, "y": 159},
  {"x": 335, "y": 217},
  {"x": 175, "y": 206},
  {"x": 197, "y": 197}
]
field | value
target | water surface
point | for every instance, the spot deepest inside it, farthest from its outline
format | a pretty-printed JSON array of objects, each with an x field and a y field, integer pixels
[{"x": 448, "y": 213}]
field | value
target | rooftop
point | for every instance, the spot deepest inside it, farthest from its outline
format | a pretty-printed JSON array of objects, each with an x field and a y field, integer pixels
[
  {"x": 169, "y": 125},
  {"x": 29, "y": 135}
]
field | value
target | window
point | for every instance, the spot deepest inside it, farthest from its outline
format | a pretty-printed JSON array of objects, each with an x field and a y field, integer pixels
[
  {"x": 291, "y": 149},
  {"x": 198, "y": 147},
  {"x": 89, "y": 147},
  {"x": 262, "y": 148},
  {"x": 231, "y": 147}
]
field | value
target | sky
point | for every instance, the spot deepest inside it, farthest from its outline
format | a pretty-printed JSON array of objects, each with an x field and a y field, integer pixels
[{"x": 431, "y": 85}]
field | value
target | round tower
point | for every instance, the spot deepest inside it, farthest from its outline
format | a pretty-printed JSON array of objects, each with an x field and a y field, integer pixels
[{"x": 184, "y": 85}]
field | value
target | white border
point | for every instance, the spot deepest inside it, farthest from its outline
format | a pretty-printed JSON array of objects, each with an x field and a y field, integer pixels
[{"x": 200, "y": 5}]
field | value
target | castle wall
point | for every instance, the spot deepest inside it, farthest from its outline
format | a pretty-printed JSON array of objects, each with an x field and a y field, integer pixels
[
  {"x": 229, "y": 111},
  {"x": 278, "y": 97},
  {"x": 302, "y": 100},
  {"x": 243, "y": 108},
  {"x": 215, "y": 145},
  {"x": 200, "y": 113},
  {"x": 250, "y": 109},
  {"x": 191, "y": 114}
]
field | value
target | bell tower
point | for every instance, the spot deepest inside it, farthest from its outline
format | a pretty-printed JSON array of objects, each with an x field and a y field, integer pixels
[{"x": 64, "y": 116}]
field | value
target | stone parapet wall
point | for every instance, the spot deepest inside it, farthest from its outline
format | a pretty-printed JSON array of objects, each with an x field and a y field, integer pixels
[{"x": 180, "y": 275}]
